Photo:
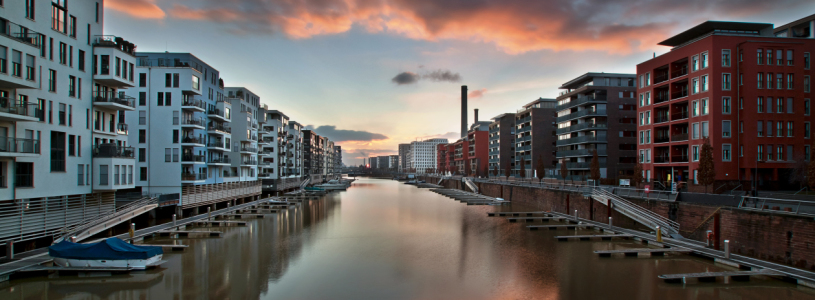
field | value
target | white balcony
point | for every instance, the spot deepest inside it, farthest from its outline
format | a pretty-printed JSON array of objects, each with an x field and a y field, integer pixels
[
  {"x": 113, "y": 167},
  {"x": 14, "y": 111},
  {"x": 113, "y": 66},
  {"x": 113, "y": 101}
]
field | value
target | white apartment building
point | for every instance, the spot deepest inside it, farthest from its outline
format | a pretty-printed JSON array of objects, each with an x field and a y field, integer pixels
[
  {"x": 422, "y": 155},
  {"x": 294, "y": 154},
  {"x": 182, "y": 130},
  {"x": 63, "y": 149},
  {"x": 244, "y": 153}
]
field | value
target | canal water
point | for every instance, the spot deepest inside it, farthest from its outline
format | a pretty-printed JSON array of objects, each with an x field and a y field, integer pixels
[{"x": 382, "y": 239}]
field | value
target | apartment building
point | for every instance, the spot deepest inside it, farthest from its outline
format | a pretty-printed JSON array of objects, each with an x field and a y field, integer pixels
[
  {"x": 393, "y": 162},
  {"x": 328, "y": 159},
  {"x": 478, "y": 148},
  {"x": 313, "y": 156},
  {"x": 183, "y": 128},
  {"x": 372, "y": 163},
  {"x": 742, "y": 85},
  {"x": 64, "y": 152},
  {"x": 597, "y": 112},
  {"x": 404, "y": 150},
  {"x": 338, "y": 160},
  {"x": 459, "y": 163},
  {"x": 383, "y": 162},
  {"x": 422, "y": 154},
  {"x": 294, "y": 153},
  {"x": 244, "y": 150},
  {"x": 501, "y": 148},
  {"x": 535, "y": 136}
]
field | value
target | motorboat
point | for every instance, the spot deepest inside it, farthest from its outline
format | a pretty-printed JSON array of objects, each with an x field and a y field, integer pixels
[
  {"x": 313, "y": 189},
  {"x": 112, "y": 253},
  {"x": 332, "y": 185}
]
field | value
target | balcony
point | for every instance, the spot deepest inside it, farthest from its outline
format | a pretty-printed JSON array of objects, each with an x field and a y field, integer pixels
[
  {"x": 582, "y": 100},
  {"x": 20, "y": 33},
  {"x": 581, "y": 114},
  {"x": 523, "y": 139},
  {"x": 580, "y": 152},
  {"x": 111, "y": 73},
  {"x": 193, "y": 123},
  {"x": 661, "y": 139},
  {"x": 581, "y": 139},
  {"x": 680, "y": 71},
  {"x": 114, "y": 101},
  {"x": 679, "y": 94},
  {"x": 265, "y": 175},
  {"x": 193, "y": 177},
  {"x": 217, "y": 145},
  {"x": 582, "y": 126},
  {"x": 266, "y": 153},
  {"x": 679, "y": 137},
  {"x": 661, "y": 118},
  {"x": 660, "y": 97},
  {"x": 679, "y": 159},
  {"x": 15, "y": 111},
  {"x": 661, "y": 159},
  {"x": 192, "y": 142},
  {"x": 193, "y": 159},
  {"x": 219, "y": 129},
  {"x": 19, "y": 147},
  {"x": 220, "y": 161},
  {"x": 575, "y": 165},
  {"x": 248, "y": 150},
  {"x": 679, "y": 116},
  {"x": 523, "y": 120},
  {"x": 249, "y": 162},
  {"x": 111, "y": 150},
  {"x": 111, "y": 41},
  {"x": 193, "y": 105},
  {"x": 289, "y": 137},
  {"x": 217, "y": 114}
]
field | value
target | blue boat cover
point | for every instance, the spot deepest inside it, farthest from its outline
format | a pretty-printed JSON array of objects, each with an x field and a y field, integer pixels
[{"x": 112, "y": 248}]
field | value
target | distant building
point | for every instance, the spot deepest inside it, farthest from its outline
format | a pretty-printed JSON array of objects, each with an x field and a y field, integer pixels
[
  {"x": 502, "y": 143},
  {"x": 535, "y": 136},
  {"x": 423, "y": 154},
  {"x": 478, "y": 148},
  {"x": 597, "y": 112},
  {"x": 404, "y": 151},
  {"x": 373, "y": 163},
  {"x": 393, "y": 162}
]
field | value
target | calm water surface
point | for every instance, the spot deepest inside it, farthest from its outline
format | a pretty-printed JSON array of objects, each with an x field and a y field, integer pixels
[{"x": 382, "y": 239}]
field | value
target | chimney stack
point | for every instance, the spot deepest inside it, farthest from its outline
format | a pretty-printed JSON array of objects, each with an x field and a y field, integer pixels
[
  {"x": 463, "y": 110},
  {"x": 476, "y": 116}
]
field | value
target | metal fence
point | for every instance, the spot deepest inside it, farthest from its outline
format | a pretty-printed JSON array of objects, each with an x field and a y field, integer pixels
[
  {"x": 772, "y": 205},
  {"x": 28, "y": 219}
]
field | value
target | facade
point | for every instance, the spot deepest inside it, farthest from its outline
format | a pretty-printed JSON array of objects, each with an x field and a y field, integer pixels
[
  {"x": 383, "y": 162},
  {"x": 393, "y": 162},
  {"x": 597, "y": 112},
  {"x": 423, "y": 154},
  {"x": 478, "y": 148},
  {"x": 294, "y": 153},
  {"x": 244, "y": 149},
  {"x": 460, "y": 162},
  {"x": 502, "y": 143},
  {"x": 535, "y": 136},
  {"x": 372, "y": 163},
  {"x": 442, "y": 166},
  {"x": 338, "y": 160},
  {"x": 404, "y": 151},
  {"x": 312, "y": 156},
  {"x": 738, "y": 85}
]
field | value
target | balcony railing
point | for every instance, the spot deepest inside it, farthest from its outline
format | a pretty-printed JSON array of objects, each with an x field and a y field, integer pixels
[
  {"x": 194, "y": 103},
  {"x": 249, "y": 162},
  {"x": 661, "y": 159},
  {"x": 113, "y": 97},
  {"x": 220, "y": 127},
  {"x": 679, "y": 116},
  {"x": 113, "y": 151},
  {"x": 193, "y": 158},
  {"x": 19, "y": 145},
  {"x": 168, "y": 63},
  {"x": 193, "y": 176},
  {"x": 582, "y": 100},
  {"x": 581, "y": 126},
  {"x": 220, "y": 160},
  {"x": 659, "y": 98},
  {"x": 19, "y": 108},
  {"x": 20, "y": 33},
  {"x": 121, "y": 128},
  {"x": 575, "y": 165},
  {"x": 193, "y": 121},
  {"x": 679, "y": 137},
  {"x": 216, "y": 112},
  {"x": 582, "y": 113},
  {"x": 661, "y": 119},
  {"x": 580, "y": 139},
  {"x": 661, "y": 139},
  {"x": 192, "y": 140},
  {"x": 580, "y": 152},
  {"x": 216, "y": 144},
  {"x": 680, "y": 158},
  {"x": 660, "y": 77},
  {"x": 248, "y": 149},
  {"x": 114, "y": 42},
  {"x": 681, "y": 71},
  {"x": 679, "y": 94}
]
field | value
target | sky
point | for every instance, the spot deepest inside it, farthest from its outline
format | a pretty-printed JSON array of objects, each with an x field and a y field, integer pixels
[{"x": 370, "y": 74}]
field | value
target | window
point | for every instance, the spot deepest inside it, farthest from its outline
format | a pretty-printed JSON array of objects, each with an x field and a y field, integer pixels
[
  {"x": 725, "y": 57},
  {"x": 642, "y": 137},
  {"x": 142, "y": 79},
  {"x": 705, "y": 109},
  {"x": 168, "y": 99},
  {"x": 760, "y": 128},
  {"x": 726, "y": 105},
  {"x": 705, "y": 131},
  {"x": 760, "y": 152},
  {"x": 741, "y": 126},
  {"x": 760, "y": 104},
  {"x": 806, "y": 152},
  {"x": 695, "y": 131},
  {"x": 726, "y": 152},
  {"x": 648, "y": 98},
  {"x": 741, "y": 79},
  {"x": 695, "y": 108},
  {"x": 789, "y": 105},
  {"x": 195, "y": 84},
  {"x": 770, "y": 128},
  {"x": 142, "y": 98},
  {"x": 52, "y": 81},
  {"x": 63, "y": 53},
  {"x": 806, "y": 106},
  {"x": 175, "y": 136},
  {"x": 779, "y": 81},
  {"x": 789, "y": 57},
  {"x": 769, "y": 104},
  {"x": 80, "y": 175},
  {"x": 30, "y": 70},
  {"x": 175, "y": 80},
  {"x": 769, "y": 152},
  {"x": 779, "y": 57},
  {"x": 726, "y": 129},
  {"x": 779, "y": 153},
  {"x": 175, "y": 154},
  {"x": 741, "y": 103},
  {"x": 741, "y": 150},
  {"x": 72, "y": 86},
  {"x": 142, "y": 117},
  {"x": 116, "y": 175},
  {"x": 704, "y": 60},
  {"x": 61, "y": 114},
  {"x": 695, "y": 63},
  {"x": 760, "y": 79},
  {"x": 704, "y": 83},
  {"x": 695, "y": 153},
  {"x": 81, "y": 57},
  {"x": 790, "y": 82},
  {"x": 24, "y": 174},
  {"x": 168, "y": 80},
  {"x": 760, "y": 58},
  {"x": 57, "y": 151},
  {"x": 779, "y": 126},
  {"x": 167, "y": 155},
  {"x": 143, "y": 173},
  {"x": 769, "y": 56},
  {"x": 142, "y": 136},
  {"x": 769, "y": 80},
  {"x": 789, "y": 129},
  {"x": 103, "y": 175},
  {"x": 175, "y": 117},
  {"x": 642, "y": 99},
  {"x": 726, "y": 81},
  {"x": 71, "y": 145},
  {"x": 779, "y": 105},
  {"x": 142, "y": 154},
  {"x": 160, "y": 99}
]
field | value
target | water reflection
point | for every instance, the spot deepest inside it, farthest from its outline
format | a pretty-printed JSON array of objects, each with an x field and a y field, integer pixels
[{"x": 385, "y": 240}]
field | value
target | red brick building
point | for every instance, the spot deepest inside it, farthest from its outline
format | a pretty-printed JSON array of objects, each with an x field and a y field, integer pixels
[
  {"x": 739, "y": 85},
  {"x": 461, "y": 156},
  {"x": 478, "y": 150}
]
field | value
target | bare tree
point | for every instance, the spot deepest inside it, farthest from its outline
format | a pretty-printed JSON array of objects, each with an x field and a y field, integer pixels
[
  {"x": 540, "y": 168},
  {"x": 707, "y": 171},
  {"x": 595, "y": 166},
  {"x": 637, "y": 178}
]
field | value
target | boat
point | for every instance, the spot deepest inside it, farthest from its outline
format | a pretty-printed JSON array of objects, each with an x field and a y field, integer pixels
[
  {"x": 112, "y": 253},
  {"x": 332, "y": 185},
  {"x": 313, "y": 189}
]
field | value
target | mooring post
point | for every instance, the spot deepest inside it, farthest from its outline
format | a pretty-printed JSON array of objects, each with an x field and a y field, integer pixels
[
  {"x": 174, "y": 220},
  {"x": 10, "y": 249},
  {"x": 659, "y": 234},
  {"x": 575, "y": 215},
  {"x": 73, "y": 239},
  {"x": 727, "y": 249},
  {"x": 132, "y": 231},
  {"x": 609, "y": 222},
  {"x": 209, "y": 213}
]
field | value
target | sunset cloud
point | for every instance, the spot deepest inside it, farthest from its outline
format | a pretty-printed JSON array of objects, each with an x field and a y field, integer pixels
[
  {"x": 142, "y": 9},
  {"x": 514, "y": 26},
  {"x": 476, "y": 94}
]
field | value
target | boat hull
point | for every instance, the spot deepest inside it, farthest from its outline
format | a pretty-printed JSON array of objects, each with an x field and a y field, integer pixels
[{"x": 138, "y": 264}]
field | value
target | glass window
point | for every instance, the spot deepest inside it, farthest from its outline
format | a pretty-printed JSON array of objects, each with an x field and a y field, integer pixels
[
  {"x": 760, "y": 58},
  {"x": 790, "y": 81},
  {"x": 705, "y": 109},
  {"x": 704, "y": 60},
  {"x": 789, "y": 129},
  {"x": 779, "y": 126},
  {"x": 806, "y": 60},
  {"x": 725, "y": 128},
  {"x": 725, "y": 81},
  {"x": 779, "y": 57},
  {"x": 695, "y": 108},
  {"x": 695, "y": 130},
  {"x": 760, "y": 128},
  {"x": 789, "y": 57},
  {"x": 695, "y": 153},
  {"x": 769, "y": 80},
  {"x": 103, "y": 175},
  {"x": 789, "y": 105},
  {"x": 806, "y": 130},
  {"x": 704, "y": 83},
  {"x": 760, "y": 79},
  {"x": 770, "y": 128},
  {"x": 726, "y": 152},
  {"x": 779, "y": 81},
  {"x": 769, "y": 56},
  {"x": 726, "y": 105},
  {"x": 705, "y": 131},
  {"x": 725, "y": 57},
  {"x": 779, "y": 105},
  {"x": 806, "y": 106},
  {"x": 695, "y": 63}
]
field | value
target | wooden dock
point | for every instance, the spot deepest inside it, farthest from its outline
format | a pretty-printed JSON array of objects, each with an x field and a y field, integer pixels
[
  {"x": 555, "y": 227},
  {"x": 241, "y": 216},
  {"x": 533, "y": 219},
  {"x": 169, "y": 247},
  {"x": 183, "y": 233},
  {"x": 220, "y": 223},
  {"x": 516, "y": 214},
  {"x": 604, "y": 237},
  {"x": 711, "y": 276},
  {"x": 638, "y": 251}
]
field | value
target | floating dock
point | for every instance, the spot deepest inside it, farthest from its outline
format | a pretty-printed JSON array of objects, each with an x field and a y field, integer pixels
[
  {"x": 711, "y": 276},
  {"x": 638, "y": 251},
  {"x": 604, "y": 237}
]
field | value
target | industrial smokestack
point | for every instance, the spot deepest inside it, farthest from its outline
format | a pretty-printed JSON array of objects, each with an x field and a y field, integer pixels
[
  {"x": 475, "y": 118},
  {"x": 463, "y": 110}
]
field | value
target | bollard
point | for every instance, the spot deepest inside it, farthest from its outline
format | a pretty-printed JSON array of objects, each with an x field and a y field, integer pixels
[
  {"x": 727, "y": 249},
  {"x": 709, "y": 238},
  {"x": 174, "y": 220},
  {"x": 132, "y": 231},
  {"x": 10, "y": 250},
  {"x": 209, "y": 213},
  {"x": 609, "y": 222},
  {"x": 659, "y": 234},
  {"x": 73, "y": 239},
  {"x": 575, "y": 215}
]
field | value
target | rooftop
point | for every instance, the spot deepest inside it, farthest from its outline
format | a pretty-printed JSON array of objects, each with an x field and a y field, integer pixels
[
  {"x": 498, "y": 117},
  {"x": 801, "y": 24},
  {"x": 580, "y": 80},
  {"x": 539, "y": 100},
  {"x": 742, "y": 28}
]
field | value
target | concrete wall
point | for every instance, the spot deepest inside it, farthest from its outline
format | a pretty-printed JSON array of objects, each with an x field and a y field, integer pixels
[{"x": 785, "y": 239}]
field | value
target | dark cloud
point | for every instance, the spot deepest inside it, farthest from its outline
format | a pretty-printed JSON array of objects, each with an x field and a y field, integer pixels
[
  {"x": 340, "y": 135},
  {"x": 476, "y": 94},
  {"x": 405, "y": 78}
]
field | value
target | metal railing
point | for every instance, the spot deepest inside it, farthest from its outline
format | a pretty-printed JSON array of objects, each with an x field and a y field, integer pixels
[
  {"x": 220, "y": 160},
  {"x": 220, "y": 127},
  {"x": 113, "y": 97},
  {"x": 581, "y": 152},
  {"x": 193, "y": 176},
  {"x": 113, "y": 151},
  {"x": 19, "y": 145},
  {"x": 192, "y": 140},
  {"x": 681, "y": 71},
  {"x": 19, "y": 108},
  {"x": 216, "y": 112},
  {"x": 194, "y": 103},
  {"x": 679, "y": 137},
  {"x": 773, "y": 205},
  {"x": 216, "y": 144},
  {"x": 114, "y": 42},
  {"x": 582, "y": 113},
  {"x": 193, "y": 121},
  {"x": 19, "y": 32},
  {"x": 581, "y": 126},
  {"x": 580, "y": 139},
  {"x": 115, "y": 212},
  {"x": 193, "y": 158},
  {"x": 637, "y": 213}
]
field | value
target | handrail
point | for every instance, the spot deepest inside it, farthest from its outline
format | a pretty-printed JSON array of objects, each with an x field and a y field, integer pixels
[
  {"x": 644, "y": 216},
  {"x": 796, "y": 193},
  {"x": 124, "y": 209}
]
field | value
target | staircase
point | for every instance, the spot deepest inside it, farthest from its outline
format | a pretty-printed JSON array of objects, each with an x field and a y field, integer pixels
[
  {"x": 122, "y": 214},
  {"x": 469, "y": 182},
  {"x": 305, "y": 183},
  {"x": 640, "y": 215}
]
